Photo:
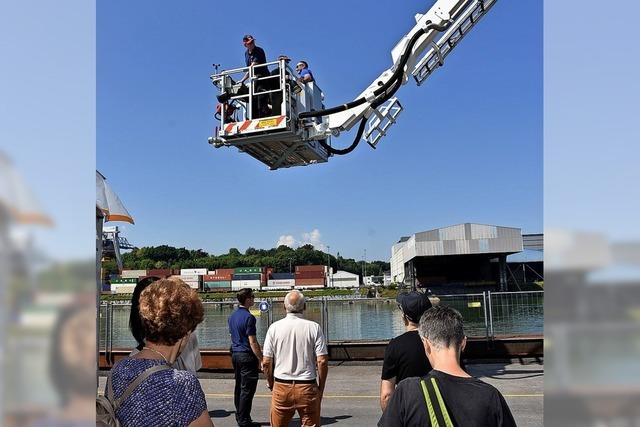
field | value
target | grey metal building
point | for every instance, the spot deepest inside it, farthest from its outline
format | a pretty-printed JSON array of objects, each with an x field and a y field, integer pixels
[{"x": 462, "y": 255}]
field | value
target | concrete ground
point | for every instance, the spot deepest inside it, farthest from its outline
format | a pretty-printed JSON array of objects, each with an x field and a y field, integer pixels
[{"x": 351, "y": 396}]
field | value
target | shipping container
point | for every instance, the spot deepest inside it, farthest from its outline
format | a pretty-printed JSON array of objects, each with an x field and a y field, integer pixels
[
  {"x": 160, "y": 272},
  {"x": 310, "y": 275},
  {"x": 223, "y": 271},
  {"x": 317, "y": 283},
  {"x": 248, "y": 270},
  {"x": 241, "y": 284},
  {"x": 219, "y": 285},
  {"x": 284, "y": 283},
  {"x": 300, "y": 268},
  {"x": 217, "y": 278},
  {"x": 283, "y": 276},
  {"x": 124, "y": 289},
  {"x": 247, "y": 277},
  {"x": 193, "y": 271},
  {"x": 133, "y": 273},
  {"x": 188, "y": 277},
  {"x": 129, "y": 280}
]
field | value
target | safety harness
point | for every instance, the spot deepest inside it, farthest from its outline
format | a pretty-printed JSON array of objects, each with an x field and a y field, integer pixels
[{"x": 438, "y": 415}]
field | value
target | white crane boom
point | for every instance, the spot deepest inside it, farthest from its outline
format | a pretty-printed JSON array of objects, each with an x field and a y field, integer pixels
[{"x": 298, "y": 131}]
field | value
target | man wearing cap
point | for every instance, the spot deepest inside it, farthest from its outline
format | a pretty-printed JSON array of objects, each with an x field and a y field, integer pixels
[
  {"x": 404, "y": 356},
  {"x": 304, "y": 73},
  {"x": 254, "y": 55}
]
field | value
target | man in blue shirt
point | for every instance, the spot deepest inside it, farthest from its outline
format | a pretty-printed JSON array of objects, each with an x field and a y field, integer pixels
[
  {"x": 254, "y": 55},
  {"x": 304, "y": 73},
  {"x": 245, "y": 356}
]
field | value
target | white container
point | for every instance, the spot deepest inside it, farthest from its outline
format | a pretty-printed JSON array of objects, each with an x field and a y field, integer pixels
[
  {"x": 189, "y": 277},
  {"x": 193, "y": 285},
  {"x": 281, "y": 283},
  {"x": 193, "y": 271},
  {"x": 124, "y": 289},
  {"x": 240, "y": 284},
  {"x": 133, "y": 274},
  {"x": 309, "y": 286}
]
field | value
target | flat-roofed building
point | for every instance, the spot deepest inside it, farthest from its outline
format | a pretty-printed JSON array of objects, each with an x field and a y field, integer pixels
[{"x": 461, "y": 256}]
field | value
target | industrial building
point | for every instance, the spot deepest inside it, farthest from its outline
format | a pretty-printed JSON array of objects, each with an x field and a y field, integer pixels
[
  {"x": 463, "y": 256},
  {"x": 344, "y": 279}
]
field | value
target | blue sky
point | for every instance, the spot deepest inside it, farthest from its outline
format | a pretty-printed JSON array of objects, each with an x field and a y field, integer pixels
[{"x": 467, "y": 148}]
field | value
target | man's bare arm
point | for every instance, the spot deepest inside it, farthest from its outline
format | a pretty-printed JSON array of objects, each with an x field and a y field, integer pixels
[
  {"x": 387, "y": 387},
  {"x": 323, "y": 370},
  {"x": 267, "y": 367},
  {"x": 255, "y": 346}
]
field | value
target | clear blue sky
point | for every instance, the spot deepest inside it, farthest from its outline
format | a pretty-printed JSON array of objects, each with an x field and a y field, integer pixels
[{"x": 467, "y": 148}]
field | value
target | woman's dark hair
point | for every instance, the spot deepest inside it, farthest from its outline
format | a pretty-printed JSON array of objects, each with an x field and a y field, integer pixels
[
  {"x": 135, "y": 322},
  {"x": 68, "y": 374}
]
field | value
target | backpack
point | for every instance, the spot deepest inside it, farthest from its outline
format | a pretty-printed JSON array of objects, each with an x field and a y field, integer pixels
[
  {"x": 438, "y": 415},
  {"x": 107, "y": 405}
]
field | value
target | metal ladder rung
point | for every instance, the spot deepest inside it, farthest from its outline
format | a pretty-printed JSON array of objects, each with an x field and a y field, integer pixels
[
  {"x": 431, "y": 61},
  {"x": 384, "y": 118}
]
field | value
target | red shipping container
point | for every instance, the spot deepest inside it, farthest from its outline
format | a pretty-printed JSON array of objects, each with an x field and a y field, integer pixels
[
  {"x": 310, "y": 275},
  {"x": 223, "y": 271},
  {"x": 217, "y": 278},
  {"x": 310, "y": 268},
  {"x": 302, "y": 282}
]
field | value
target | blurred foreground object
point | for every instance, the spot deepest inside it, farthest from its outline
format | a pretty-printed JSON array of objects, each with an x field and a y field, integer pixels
[{"x": 592, "y": 333}]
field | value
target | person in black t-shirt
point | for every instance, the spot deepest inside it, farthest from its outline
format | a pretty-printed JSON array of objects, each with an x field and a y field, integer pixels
[
  {"x": 451, "y": 392},
  {"x": 254, "y": 55},
  {"x": 404, "y": 356}
]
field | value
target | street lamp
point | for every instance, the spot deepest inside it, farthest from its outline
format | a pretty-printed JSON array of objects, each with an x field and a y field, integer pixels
[{"x": 329, "y": 264}]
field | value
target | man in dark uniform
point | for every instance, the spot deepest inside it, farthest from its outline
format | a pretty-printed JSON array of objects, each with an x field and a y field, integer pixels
[
  {"x": 404, "y": 356},
  {"x": 246, "y": 356},
  {"x": 254, "y": 55}
]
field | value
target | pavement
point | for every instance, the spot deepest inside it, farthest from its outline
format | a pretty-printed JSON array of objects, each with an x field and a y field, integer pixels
[{"x": 351, "y": 395}]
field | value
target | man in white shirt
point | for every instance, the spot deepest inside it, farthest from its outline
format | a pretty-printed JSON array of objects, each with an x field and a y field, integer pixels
[{"x": 296, "y": 362}]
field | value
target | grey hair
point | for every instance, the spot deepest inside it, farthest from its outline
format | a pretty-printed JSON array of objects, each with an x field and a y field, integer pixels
[
  {"x": 298, "y": 307},
  {"x": 442, "y": 326}
]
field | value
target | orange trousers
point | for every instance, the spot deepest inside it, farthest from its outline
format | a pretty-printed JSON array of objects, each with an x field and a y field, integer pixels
[{"x": 286, "y": 399}]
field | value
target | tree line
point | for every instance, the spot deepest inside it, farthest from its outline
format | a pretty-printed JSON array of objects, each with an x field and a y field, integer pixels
[{"x": 282, "y": 259}]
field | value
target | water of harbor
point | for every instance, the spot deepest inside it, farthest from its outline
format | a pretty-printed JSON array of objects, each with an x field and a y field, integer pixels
[{"x": 359, "y": 320}]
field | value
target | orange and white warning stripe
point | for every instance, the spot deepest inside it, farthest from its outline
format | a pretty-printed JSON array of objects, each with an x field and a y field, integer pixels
[{"x": 254, "y": 125}]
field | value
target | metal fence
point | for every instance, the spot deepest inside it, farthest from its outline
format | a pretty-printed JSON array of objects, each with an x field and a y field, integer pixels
[{"x": 486, "y": 315}]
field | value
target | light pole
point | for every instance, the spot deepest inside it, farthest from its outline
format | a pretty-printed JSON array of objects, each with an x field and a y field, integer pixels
[{"x": 329, "y": 264}]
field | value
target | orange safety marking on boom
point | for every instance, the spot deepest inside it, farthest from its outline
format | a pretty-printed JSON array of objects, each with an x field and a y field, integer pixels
[
  {"x": 229, "y": 128},
  {"x": 245, "y": 125}
]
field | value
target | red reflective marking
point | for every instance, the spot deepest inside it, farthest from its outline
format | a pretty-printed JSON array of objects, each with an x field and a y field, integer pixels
[
  {"x": 279, "y": 120},
  {"x": 229, "y": 128},
  {"x": 244, "y": 125}
]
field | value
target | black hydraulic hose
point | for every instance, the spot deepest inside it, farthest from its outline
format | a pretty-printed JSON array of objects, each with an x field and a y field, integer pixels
[
  {"x": 356, "y": 141},
  {"x": 397, "y": 75},
  {"x": 363, "y": 121}
]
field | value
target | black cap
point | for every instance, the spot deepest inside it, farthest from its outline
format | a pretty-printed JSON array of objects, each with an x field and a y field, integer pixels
[
  {"x": 413, "y": 304},
  {"x": 247, "y": 38}
]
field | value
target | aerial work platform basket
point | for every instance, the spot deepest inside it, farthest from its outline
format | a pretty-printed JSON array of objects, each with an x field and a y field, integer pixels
[{"x": 261, "y": 118}]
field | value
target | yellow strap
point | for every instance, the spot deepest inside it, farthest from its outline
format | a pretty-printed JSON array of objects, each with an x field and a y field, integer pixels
[
  {"x": 443, "y": 408},
  {"x": 432, "y": 414}
]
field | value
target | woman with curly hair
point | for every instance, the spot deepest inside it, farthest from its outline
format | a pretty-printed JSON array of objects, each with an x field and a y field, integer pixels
[
  {"x": 189, "y": 359},
  {"x": 169, "y": 311}
]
